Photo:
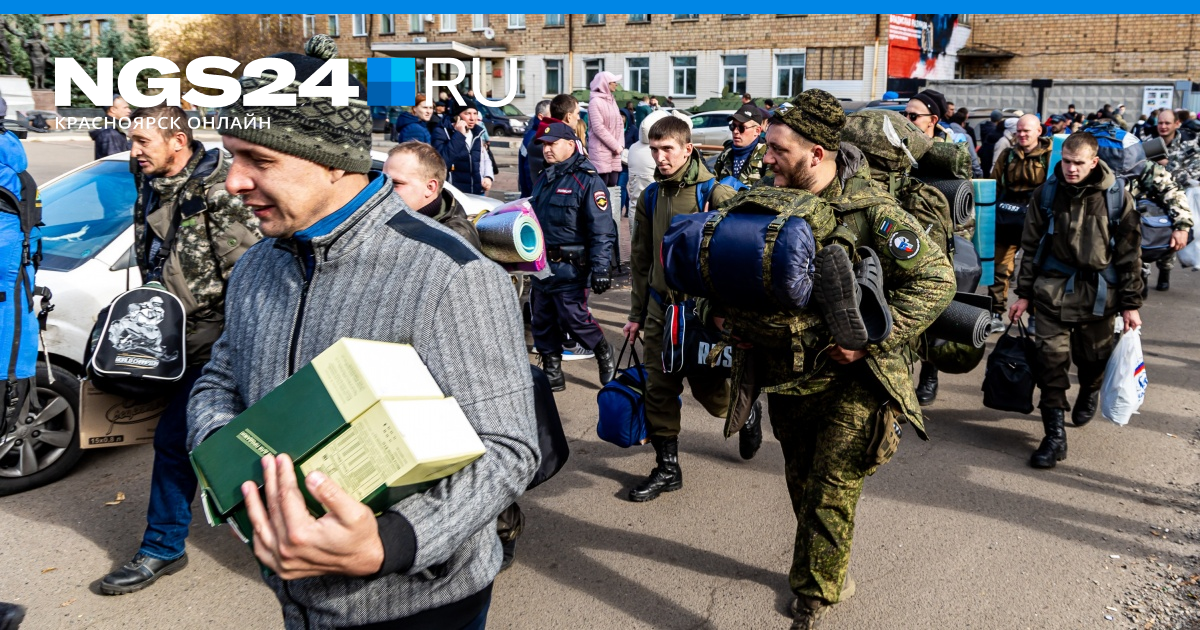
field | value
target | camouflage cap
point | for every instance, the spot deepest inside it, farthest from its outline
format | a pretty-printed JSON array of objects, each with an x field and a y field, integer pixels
[{"x": 816, "y": 115}]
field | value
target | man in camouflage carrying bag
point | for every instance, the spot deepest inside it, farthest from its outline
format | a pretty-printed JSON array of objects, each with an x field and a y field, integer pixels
[
  {"x": 189, "y": 231},
  {"x": 836, "y": 412}
]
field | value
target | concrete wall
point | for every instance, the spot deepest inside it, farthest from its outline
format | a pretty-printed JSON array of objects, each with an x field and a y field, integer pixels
[{"x": 1088, "y": 96}]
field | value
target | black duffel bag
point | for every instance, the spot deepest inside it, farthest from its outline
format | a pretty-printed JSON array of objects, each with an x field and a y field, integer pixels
[
  {"x": 552, "y": 442},
  {"x": 1009, "y": 381}
]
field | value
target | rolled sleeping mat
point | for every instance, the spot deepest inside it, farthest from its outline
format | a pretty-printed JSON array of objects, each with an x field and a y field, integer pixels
[
  {"x": 1056, "y": 151},
  {"x": 735, "y": 256},
  {"x": 985, "y": 228},
  {"x": 962, "y": 323},
  {"x": 512, "y": 236},
  {"x": 958, "y": 192}
]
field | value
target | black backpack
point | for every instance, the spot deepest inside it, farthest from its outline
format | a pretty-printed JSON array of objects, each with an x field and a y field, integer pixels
[
  {"x": 137, "y": 349},
  {"x": 1009, "y": 381},
  {"x": 1157, "y": 228}
]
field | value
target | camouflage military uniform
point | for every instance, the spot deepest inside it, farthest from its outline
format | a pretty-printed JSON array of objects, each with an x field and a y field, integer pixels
[
  {"x": 753, "y": 170},
  {"x": 838, "y": 423},
  {"x": 1183, "y": 158},
  {"x": 1156, "y": 184},
  {"x": 215, "y": 229}
]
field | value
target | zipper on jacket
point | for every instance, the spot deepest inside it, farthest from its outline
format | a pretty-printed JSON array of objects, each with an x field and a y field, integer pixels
[{"x": 297, "y": 320}]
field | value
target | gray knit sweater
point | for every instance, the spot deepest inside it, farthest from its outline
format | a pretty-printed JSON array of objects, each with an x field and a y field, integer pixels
[{"x": 460, "y": 312}]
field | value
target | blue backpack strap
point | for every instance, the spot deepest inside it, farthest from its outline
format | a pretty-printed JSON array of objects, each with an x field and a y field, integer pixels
[
  {"x": 703, "y": 190},
  {"x": 651, "y": 199}
]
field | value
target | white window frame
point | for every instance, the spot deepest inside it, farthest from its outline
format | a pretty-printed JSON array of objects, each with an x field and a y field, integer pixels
[
  {"x": 587, "y": 81},
  {"x": 449, "y": 23},
  {"x": 694, "y": 69},
  {"x": 685, "y": 17},
  {"x": 520, "y": 77},
  {"x": 416, "y": 22},
  {"x": 559, "y": 23},
  {"x": 629, "y": 73},
  {"x": 745, "y": 74},
  {"x": 335, "y": 28},
  {"x": 558, "y": 89},
  {"x": 516, "y": 21},
  {"x": 383, "y": 19},
  {"x": 600, "y": 19},
  {"x": 358, "y": 24},
  {"x": 776, "y": 67},
  {"x": 479, "y": 21},
  {"x": 310, "y": 24}
]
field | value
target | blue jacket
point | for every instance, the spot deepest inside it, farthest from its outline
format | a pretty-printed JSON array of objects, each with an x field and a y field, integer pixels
[
  {"x": 409, "y": 127},
  {"x": 571, "y": 203},
  {"x": 462, "y": 161},
  {"x": 524, "y": 179}
]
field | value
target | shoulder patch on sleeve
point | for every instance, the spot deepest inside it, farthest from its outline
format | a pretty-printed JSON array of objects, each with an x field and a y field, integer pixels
[
  {"x": 601, "y": 198},
  {"x": 417, "y": 230},
  {"x": 905, "y": 246}
]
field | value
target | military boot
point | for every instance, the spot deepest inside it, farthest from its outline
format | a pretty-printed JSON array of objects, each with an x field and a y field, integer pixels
[
  {"x": 1085, "y": 407},
  {"x": 750, "y": 435},
  {"x": 927, "y": 386},
  {"x": 666, "y": 476},
  {"x": 1053, "y": 448},
  {"x": 806, "y": 612},
  {"x": 1164, "y": 280},
  {"x": 605, "y": 361},
  {"x": 552, "y": 366}
]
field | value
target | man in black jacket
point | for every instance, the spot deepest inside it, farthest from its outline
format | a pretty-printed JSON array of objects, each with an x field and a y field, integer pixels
[
  {"x": 109, "y": 137},
  {"x": 571, "y": 202},
  {"x": 419, "y": 176},
  {"x": 461, "y": 145}
]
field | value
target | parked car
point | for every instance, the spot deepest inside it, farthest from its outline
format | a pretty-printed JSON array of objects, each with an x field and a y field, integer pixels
[
  {"x": 88, "y": 259},
  {"x": 504, "y": 121},
  {"x": 712, "y": 128},
  {"x": 383, "y": 119}
]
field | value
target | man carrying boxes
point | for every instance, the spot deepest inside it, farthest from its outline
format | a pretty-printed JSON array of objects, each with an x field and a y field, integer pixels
[{"x": 344, "y": 258}]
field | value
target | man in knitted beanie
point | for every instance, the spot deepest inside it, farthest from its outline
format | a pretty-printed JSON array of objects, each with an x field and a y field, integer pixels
[{"x": 346, "y": 257}]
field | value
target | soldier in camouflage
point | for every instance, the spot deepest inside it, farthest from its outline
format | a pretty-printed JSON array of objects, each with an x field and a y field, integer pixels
[
  {"x": 836, "y": 412},
  {"x": 742, "y": 158},
  {"x": 1164, "y": 183},
  {"x": 189, "y": 231}
]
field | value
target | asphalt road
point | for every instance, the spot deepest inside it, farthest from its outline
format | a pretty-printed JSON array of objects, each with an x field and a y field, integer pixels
[{"x": 957, "y": 532}]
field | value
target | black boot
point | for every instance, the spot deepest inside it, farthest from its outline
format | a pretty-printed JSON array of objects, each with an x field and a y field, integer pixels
[
  {"x": 927, "y": 386},
  {"x": 666, "y": 476},
  {"x": 1164, "y": 280},
  {"x": 750, "y": 435},
  {"x": 552, "y": 366},
  {"x": 1053, "y": 448},
  {"x": 1085, "y": 407},
  {"x": 139, "y": 573},
  {"x": 605, "y": 361}
]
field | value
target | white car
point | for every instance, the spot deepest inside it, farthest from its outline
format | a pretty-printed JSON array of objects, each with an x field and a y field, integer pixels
[
  {"x": 712, "y": 128},
  {"x": 88, "y": 259}
]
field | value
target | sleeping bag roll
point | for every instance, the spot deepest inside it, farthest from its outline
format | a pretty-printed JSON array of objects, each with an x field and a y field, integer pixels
[
  {"x": 960, "y": 195},
  {"x": 962, "y": 323},
  {"x": 757, "y": 261}
]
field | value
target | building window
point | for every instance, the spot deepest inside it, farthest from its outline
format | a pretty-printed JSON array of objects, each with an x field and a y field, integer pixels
[
  {"x": 835, "y": 64},
  {"x": 334, "y": 31},
  {"x": 964, "y": 19},
  {"x": 591, "y": 68},
  {"x": 637, "y": 74},
  {"x": 683, "y": 76},
  {"x": 66, "y": 28},
  {"x": 735, "y": 16},
  {"x": 733, "y": 73},
  {"x": 554, "y": 76},
  {"x": 105, "y": 26},
  {"x": 639, "y": 17},
  {"x": 520, "y": 77},
  {"x": 86, "y": 27},
  {"x": 686, "y": 16},
  {"x": 310, "y": 25},
  {"x": 416, "y": 23},
  {"x": 516, "y": 20},
  {"x": 555, "y": 19},
  {"x": 789, "y": 74},
  {"x": 449, "y": 23},
  {"x": 479, "y": 21},
  {"x": 593, "y": 18},
  {"x": 387, "y": 24},
  {"x": 358, "y": 23}
]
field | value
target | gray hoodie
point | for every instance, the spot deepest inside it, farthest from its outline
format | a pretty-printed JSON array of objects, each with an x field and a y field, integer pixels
[{"x": 389, "y": 274}]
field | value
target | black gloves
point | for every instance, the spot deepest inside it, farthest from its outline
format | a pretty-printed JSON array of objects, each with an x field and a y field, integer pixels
[{"x": 601, "y": 282}]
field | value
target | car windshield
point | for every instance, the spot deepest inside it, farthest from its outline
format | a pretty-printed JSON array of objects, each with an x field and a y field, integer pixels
[
  {"x": 84, "y": 212},
  {"x": 511, "y": 110}
]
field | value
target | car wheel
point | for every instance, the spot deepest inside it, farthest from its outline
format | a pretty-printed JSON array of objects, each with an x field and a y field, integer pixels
[
  {"x": 501, "y": 131},
  {"x": 44, "y": 446}
]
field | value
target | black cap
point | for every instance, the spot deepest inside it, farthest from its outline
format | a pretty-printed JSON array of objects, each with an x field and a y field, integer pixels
[
  {"x": 558, "y": 131},
  {"x": 747, "y": 113},
  {"x": 934, "y": 101}
]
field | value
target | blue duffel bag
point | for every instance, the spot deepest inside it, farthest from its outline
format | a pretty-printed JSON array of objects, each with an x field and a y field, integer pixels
[
  {"x": 738, "y": 247},
  {"x": 622, "y": 403}
]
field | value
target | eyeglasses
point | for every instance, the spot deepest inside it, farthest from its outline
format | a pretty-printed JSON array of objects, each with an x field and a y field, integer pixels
[
  {"x": 741, "y": 128},
  {"x": 913, "y": 116}
]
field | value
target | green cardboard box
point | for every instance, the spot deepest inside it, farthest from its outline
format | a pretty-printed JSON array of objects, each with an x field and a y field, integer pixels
[{"x": 329, "y": 416}]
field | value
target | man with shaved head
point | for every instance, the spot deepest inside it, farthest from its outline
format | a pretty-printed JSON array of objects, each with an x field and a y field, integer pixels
[{"x": 1018, "y": 170}]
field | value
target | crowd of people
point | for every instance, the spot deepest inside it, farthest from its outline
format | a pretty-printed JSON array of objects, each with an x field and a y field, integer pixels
[{"x": 310, "y": 222}]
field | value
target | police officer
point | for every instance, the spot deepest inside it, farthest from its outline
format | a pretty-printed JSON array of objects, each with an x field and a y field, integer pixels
[
  {"x": 836, "y": 411},
  {"x": 742, "y": 158},
  {"x": 1080, "y": 266},
  {"x": 571, "y": 202}
]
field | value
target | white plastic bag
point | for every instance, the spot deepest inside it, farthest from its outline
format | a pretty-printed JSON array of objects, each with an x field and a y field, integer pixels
[
  {"x": 1125, "y": 379},
  {"x": 1189, "y": 256}
]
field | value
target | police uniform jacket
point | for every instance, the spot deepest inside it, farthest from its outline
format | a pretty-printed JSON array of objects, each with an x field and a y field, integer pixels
[{"x": 571, "y": 203}]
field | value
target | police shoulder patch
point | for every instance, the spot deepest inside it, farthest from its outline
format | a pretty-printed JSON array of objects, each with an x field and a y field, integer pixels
[
  {"x": 904, "y": 245},
  {"x": 601, "y": 197}
]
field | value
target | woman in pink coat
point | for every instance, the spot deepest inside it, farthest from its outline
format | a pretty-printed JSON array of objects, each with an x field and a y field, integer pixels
[{"x": 606, "y": 128}]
